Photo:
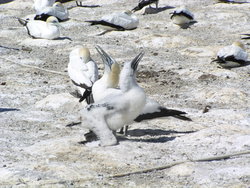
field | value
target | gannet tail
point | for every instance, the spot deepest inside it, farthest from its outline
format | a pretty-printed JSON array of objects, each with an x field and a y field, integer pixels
[{"x": 104, "y": 23}]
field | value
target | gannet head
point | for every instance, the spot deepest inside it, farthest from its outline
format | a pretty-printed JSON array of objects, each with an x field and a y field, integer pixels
[
  {"x": 57, "y": 4},
  {"x": 239, "y": 44},
  {"x": 52, "y": 19},
  {"x": 106, "y": 58},
  {"x": 127, "y": 76},
  {"x": 114, "y": 75},
  {"x": 84, "y": 54}
]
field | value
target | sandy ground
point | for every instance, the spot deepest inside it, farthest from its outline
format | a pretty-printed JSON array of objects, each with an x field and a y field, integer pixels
[{"x": 38, "y": 150}]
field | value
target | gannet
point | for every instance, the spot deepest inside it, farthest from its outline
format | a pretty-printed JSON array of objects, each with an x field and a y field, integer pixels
[
  {"x": 107, "y": 85},
  {"x": 117, "y": 21},
  {"x": 143, "y": 3},
  {"x": 232, "y": 56},
  {"x": 83, "y": 72},
  {"x": 182, "y": 17},
  {"x": 40, "y": 29},
  {"x": 39, "y": 5},
  {"x": 115, "y": 111},
  {"x": 57, "y": 10}
]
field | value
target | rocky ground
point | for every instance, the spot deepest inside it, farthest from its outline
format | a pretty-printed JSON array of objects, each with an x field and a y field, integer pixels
[{"x": 38, "y": 150}]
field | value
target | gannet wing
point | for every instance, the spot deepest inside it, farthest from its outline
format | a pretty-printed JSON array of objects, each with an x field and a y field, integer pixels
[
  {"x": 153, "y": 110},
  {"x": 105, "y": 23}
]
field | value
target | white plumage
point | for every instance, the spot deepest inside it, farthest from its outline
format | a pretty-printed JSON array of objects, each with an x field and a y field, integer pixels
[
  {"x": 57, "y": 10},
  {"x": 115, "y": 111},
  {"x": 39, "y": 5},
  {"x": 182, "y": 16},
  {"x": 107, "y": 85},
  {"x": 232, "y": 56},
  {"x": 40, "y": 29},
  {"x": 117, "y": 21},
  {"x": 82, "y": 70}
]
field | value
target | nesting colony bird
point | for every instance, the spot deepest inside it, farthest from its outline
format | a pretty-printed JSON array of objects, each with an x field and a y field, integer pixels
[
  {"x": 182, "y": 17},
  {"x": 83, "y": 72},
  {"x": 117, "y": 21},
  {"x": 40, "y": 29},
  {"x": 232, "y": 56},
  {"x": 115, "y": 111},
  {"x": 39, "y": 5},
  {"x": 108, "y": 84},
  {"x": 143, "y": 3},
  {"x": 57, "y": 10}
]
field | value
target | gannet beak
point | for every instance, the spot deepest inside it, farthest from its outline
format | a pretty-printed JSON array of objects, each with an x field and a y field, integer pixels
[
  {"x": 107, "y": 60},
  {"x": 136, "y": 60}
]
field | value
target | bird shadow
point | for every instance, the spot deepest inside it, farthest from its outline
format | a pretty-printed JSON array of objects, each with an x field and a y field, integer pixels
[
  {"x": 188, "y": 25},
  {"x": 151, "y": 10},
  {"x": 64, "y": 38},
  {"x": 162, "y": 135},
  {"x": 155, "y": 132},
  {"x": 8, "y": 109}
]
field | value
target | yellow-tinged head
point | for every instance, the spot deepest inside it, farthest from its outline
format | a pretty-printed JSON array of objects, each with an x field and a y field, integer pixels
[
  {"x": 239, "y": 44},
  {"x": 57, "y": 4},
  {"x": 114, "y": 75},
  {"x": 52, "y": 19},
  {"x": 84, "y": 53}
]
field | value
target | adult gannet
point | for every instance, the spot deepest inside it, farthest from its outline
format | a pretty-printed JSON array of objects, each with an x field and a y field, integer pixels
[
  {"x": 39, "y": 5},
  {"x": 182, "y": 17},
  {"x": 117, "y": 21},
  {"x": 57, "y": 10},
  {"x": 232, "y": 56},
  {"x": 115, "y": 111},
  {"x": 40, "y": 29},
  {"x": 107, "y": 85},
  {"x": 83, "y": 72},
  {"x": 143, "y": 3}
]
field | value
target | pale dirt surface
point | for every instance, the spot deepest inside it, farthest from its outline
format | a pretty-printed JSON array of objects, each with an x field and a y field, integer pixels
[{"x": 38, "y": 150}]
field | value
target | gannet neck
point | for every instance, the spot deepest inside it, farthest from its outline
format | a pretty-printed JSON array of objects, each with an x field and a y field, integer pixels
[{"x": 127, "y": 76}]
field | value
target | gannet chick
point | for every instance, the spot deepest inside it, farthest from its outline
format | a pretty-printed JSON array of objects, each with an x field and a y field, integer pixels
[
  {"x": 117, "y": 21},
  {"x": 232, "y": 56},
  {"x": 143, "y": 3},
  {"x": 57, "y": 10},
  {"x": 182, "y": 17},
  {"x": 40, "y": 29},
  {"x": 115, "y": 111},
  {"x": 39, "y": 5},
  {"x": 83, "y": 72}
]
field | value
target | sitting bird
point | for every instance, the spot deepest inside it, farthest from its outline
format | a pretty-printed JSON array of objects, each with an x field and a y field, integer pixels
[
  {"x": 182, "y": 17},
  {"x": 83, "y": 72},
  {"x": 57, "y": 10},
  {"x": 117, "y": 21},
  {"x": 232, "y": 56},
  {"x": 40, "y": 29}
]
